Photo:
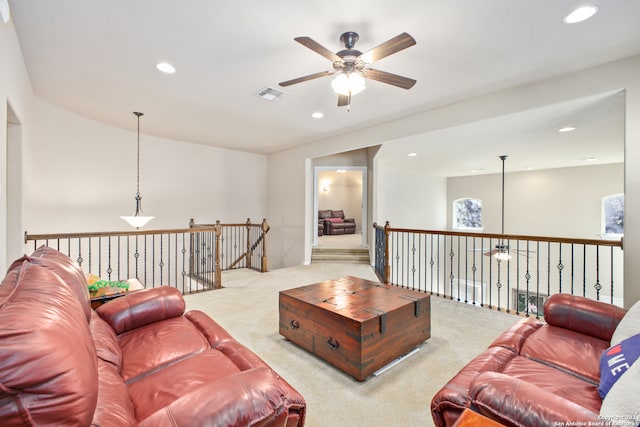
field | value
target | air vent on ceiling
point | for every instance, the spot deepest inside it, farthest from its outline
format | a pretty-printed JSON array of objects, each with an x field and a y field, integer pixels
[{"x": 271, "y": 94}]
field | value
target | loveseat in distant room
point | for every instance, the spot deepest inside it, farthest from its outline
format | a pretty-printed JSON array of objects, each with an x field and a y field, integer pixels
[
  {"x": 138, "y": 360},
  {"x": 334, "y": 222},
  {"x": 576, "y": 368}
]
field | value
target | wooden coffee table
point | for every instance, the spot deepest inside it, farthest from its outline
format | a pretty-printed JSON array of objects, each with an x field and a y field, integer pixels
[{"x": 356, "y": 325}]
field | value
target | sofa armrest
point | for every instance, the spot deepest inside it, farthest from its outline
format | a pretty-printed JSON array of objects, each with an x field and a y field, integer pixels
[
  {"x": 583, "y": 315},
  {"x": 253, "y": 397},
  {"x": 141, "y": 308},
  {"x": 512, "y": 401}
]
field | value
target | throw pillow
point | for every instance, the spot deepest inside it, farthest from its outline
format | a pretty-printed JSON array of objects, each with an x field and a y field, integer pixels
[
  {"x": 621, "y": 406},
  {"x": 335, "y": 220},
  {"x": 615, "y": 361},
  {"x": 628, "y": 326}
]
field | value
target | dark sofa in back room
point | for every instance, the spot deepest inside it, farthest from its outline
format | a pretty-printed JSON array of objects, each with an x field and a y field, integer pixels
[
  {"x": 334, "y": 222},
  {"x": 136, "y": 360}
]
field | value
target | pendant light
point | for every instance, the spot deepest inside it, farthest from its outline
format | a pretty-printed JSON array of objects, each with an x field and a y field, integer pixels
[{"x": 139, "y": 219}]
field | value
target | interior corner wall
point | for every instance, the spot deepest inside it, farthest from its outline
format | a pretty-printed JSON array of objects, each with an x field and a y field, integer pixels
[{"x": 81, "y": 176}]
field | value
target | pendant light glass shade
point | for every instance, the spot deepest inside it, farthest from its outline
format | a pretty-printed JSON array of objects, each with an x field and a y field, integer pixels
[
  {"x": 348, "y": 84},
  {"x": 502, "y": 255},
  {"x": 139, "y": 219}
]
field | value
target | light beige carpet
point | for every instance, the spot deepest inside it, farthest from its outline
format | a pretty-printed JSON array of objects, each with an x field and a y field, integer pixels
[{"x": 247, "y": 307}]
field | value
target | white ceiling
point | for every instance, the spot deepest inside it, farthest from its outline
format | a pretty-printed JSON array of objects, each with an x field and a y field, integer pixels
[{"x": 97, "y": 59}]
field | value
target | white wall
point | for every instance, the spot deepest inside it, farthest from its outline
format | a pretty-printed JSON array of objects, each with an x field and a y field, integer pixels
[
  {"x": 553, "y": 202},
  {"x": 82, "y": 177},
  {"x": 409, "y": 199}
]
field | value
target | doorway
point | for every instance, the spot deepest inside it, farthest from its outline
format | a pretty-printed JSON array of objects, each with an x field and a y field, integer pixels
[
  {"x": 341, "y": 188},
  {"x": 11, "y": 237}
]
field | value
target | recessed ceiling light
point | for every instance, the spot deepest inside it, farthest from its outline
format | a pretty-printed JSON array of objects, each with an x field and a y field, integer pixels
[
  {"x": 580, "y": 14},
  {"x": 412, "y": 154},
  {"x": 567, "y": 129},
  {"x": 317, "y": 115},
  {"x": 341, "y": 170},
  {"x": 590, "y": 159},
  {"x": 477, "y": 170},
  {"x": 165, "y": 67}
]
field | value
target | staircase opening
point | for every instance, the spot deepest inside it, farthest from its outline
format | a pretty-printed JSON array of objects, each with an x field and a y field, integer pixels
[{"x": 340, "y": 248}]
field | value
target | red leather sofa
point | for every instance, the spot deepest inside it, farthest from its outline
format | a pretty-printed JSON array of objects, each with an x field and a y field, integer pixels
[
  {"x": 136, "y": 360},
  {"x": 542, "y": 373},
  {"x": 334, "y": 222}
]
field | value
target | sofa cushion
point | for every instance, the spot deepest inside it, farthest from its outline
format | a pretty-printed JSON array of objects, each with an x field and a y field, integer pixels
[
  {"x": 47, "y": 357},
  {"x": 114, "y": 407},
  {"x": 335, "y": 220},
  {"x": 66, "y": 268},
  {"x": 338, "y": 214},
  {"x": 567, "y": 350},
  {"x": 628, "y": 326},
  {"x": 105, "y": 341},
  {"x": 178, "y": 379},
  {"x": 157, "y": 345},
  {"x": 616, "y": 360},
  {"x": 324, "y": 214}
]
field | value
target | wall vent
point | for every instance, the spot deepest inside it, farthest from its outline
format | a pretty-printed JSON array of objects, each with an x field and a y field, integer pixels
[{"x": 271, "y": 94}]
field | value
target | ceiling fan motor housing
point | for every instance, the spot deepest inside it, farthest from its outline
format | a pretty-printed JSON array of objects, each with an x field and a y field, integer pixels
[{"x": 349, "y": 39}]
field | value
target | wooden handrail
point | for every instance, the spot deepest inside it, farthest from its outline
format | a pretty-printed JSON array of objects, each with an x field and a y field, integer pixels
[
  {"x": 600, "y": 242},
  {"x": 80, "y": 235}
]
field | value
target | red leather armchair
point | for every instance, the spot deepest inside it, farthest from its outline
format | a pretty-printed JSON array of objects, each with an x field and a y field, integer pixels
[
  {"x": 137, "y": 360},
  {"x": 537, "y": 373}
]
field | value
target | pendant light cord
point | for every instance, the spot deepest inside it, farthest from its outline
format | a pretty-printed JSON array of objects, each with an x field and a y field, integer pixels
[
  {"x": 138, "y": 155},
  {"x": 503, "y": 158}
]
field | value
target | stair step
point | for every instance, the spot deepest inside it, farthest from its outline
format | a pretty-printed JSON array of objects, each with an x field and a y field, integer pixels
[{"x": 354, "y": 255}]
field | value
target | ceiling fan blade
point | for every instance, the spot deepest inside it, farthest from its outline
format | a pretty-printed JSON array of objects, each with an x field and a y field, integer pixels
[
  {"x": 317, "y": 48},
  {"x": 305, "y": 78},
  {"x": 343, "y": 100},
  {"x": 391, "y": 46},
  {"x": 491, "y": 253},
  {"x": 389, "y": 78}
]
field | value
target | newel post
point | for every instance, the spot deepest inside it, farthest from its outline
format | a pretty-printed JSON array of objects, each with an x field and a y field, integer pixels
[
  {"x": 265, "y": 229},
  {"x": 248, "y": 252},
  {"x": 217, "y": 266},
  {"x": 387, "y": 266}
]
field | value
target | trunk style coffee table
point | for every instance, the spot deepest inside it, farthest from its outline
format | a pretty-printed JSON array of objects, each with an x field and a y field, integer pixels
[{"x": 354, "y": 324}]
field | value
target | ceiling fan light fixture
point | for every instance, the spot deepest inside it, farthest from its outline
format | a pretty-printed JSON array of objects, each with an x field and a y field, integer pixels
[
  {"x": 348, "y": 84},
  {"x": 502, "y": 255}
]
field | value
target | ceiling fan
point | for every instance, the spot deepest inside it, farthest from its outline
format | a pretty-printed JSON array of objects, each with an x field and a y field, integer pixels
[
  {"x": 502, "y": 251},
  {"x": 352, "y": 66}
]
